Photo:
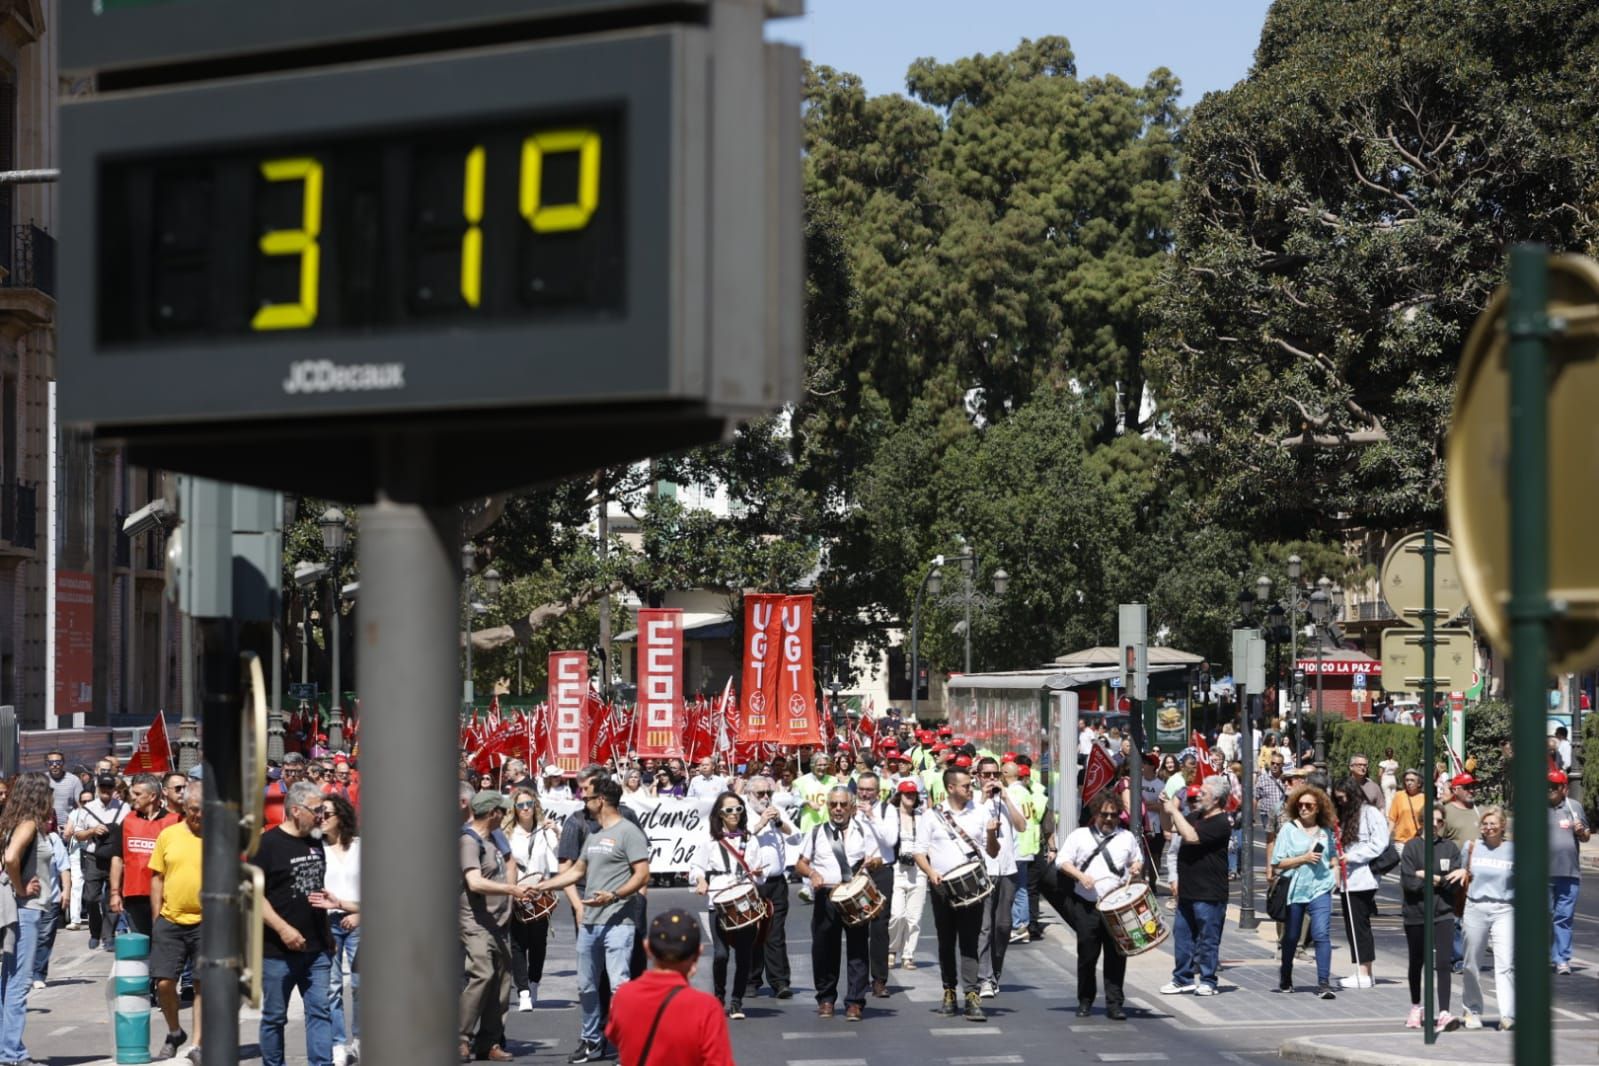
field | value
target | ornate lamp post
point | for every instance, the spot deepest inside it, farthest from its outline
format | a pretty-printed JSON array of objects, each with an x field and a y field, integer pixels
[
  {"x": 1320, "y": 612},
  {"x": 932, "y": 582},
  {"x": 335, "y": 536}
]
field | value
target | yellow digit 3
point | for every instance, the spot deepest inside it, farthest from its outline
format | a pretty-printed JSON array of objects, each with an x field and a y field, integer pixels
[
  {"x": 301, "y": 242},
  {"x": 560, "y": 218}
]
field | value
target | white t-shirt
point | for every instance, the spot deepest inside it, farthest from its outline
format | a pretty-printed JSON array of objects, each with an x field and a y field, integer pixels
[
  {"x": 1081, "y": 850},
  {"x": 816, "y": 848},
  {"x": 343, "y": 874},
  {"x": 944, "y": 849},
  {"x": 707, "y": 788}
]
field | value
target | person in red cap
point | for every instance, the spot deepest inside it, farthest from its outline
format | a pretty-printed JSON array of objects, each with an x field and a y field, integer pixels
[
  {"x": 1460, "y": 812},
  {"x": 1567, "y": 830},
  {"x": 910, "y": 884}
]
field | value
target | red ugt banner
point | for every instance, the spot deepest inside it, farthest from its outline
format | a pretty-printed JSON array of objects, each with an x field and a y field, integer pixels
[
  {"x": 660, "y": 672},
  {"x": 569, "y": 726},
  {"x": 798, "y": 720},
  {"x": 762, "y": 649}
]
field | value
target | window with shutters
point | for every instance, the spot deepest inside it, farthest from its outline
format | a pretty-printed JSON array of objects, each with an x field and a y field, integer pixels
[{"x": 8, "y": 159}]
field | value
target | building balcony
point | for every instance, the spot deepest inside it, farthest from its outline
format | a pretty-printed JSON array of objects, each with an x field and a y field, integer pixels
[
  {"x": 1372, "y": 611},
  {"x": 19, "y": 514},
  {"x": 29, "y": 259}
]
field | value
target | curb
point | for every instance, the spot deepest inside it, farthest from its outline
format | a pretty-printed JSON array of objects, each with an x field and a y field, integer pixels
[{"x": 1490, "y": 1048}]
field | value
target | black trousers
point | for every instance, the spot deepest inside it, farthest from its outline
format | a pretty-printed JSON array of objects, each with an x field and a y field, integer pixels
[
  {"x": 97, "y": 899},
  {"x": 1443, "y": 938},
  {"x": 1035, "y": 877},
  {"x": 137, "y": 908},
  {"x": 770, "y": 963},
  {"x": 1358, "y": 910},
  {"x": 1093, "y": 940},
  {"x": 958, "y": 929},
  {"x": 740, "y": 944},
  {"x": 827, "y": 929},
  {"x": 877, "y": 928},
  {"x": 529, "y": 943}
]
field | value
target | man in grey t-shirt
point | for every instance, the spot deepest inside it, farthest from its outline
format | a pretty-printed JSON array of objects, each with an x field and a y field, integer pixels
[
  {"x": 1567, "y": 830},
  {"x": 485, "y": 911},
  {"x": 64, "y": 787},
  {"x": 614, "y": 867}
]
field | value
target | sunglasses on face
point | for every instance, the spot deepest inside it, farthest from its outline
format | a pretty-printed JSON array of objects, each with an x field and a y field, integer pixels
[
  {"x": 1307, "y": 806},
  {"x": 55, "y": 762},
  {"x": 524, "y": 806},
  {"x": 732, "y": 810},
  {"x": 768, "y": 792},
  {"x": 327, "y": 813},
  {"x": 839, "y": 805}
]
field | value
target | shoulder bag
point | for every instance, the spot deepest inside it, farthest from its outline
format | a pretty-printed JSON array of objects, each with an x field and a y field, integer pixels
[
  {"x": 649, "y": 1040},
  {"x": 1386, "y": 859}
]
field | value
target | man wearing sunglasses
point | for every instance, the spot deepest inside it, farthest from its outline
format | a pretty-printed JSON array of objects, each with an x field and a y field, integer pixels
[
  {"x": 1004, "y": 871},
  {"x": 297, "y": 946},
  {"x": 879, "y": 815},
  {"x": 1097, "y": 858},
  {"x": 64, "y": 787},
  {"x": 773, "y": 834},
  {"x": 829, "y": 856}
]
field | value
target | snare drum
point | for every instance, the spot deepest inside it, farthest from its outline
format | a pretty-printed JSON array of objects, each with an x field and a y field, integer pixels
[
  {"x": 537, "y": 908},
  {"x": 858, "y": 900},
  {"x": 738, "y": 906},
  {"x": 1133, "y": 920},
  {"x": 967, "y": 884}
]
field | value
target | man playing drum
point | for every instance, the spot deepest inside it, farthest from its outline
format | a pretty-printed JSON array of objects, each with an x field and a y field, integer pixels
[
  {"x": 829, "y": 856},
  {"x": 1099, "y": 858},
  {"x": 729, "y": 870},
  {"x": 948, "y": 848}
]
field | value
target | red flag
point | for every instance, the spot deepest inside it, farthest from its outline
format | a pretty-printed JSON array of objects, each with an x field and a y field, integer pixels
[
  {"x": 1205, "y": 769},
  {"x": 569, "y": 689},
  {"x": 661, "y": 683},
  {"x": 154, "y": 753},
  {"x": 798, "y": 721},
  {"x": 762, "y": 650},
  {"x": 725, "y": 731},
  {"x": 1099, "y": 772}
]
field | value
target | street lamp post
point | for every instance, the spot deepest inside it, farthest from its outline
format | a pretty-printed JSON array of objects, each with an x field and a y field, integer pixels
[
  {"x": 335, "y": 535},
  {"x": 932, "y": 581},
  {"x": 969, "y": 594},
  {"x": 1295, "y": 568},
  {"x": 1320, "y": 612},
  {"x": 468, "y": 567}
]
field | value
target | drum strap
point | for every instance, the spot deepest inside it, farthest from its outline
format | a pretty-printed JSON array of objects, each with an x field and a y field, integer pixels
[
  {"x": 1099, "y": 849},
  {"x": 836, "y": 838},
  {"x": 955, "y": 828},
  {"x": 728, "y": 849}
]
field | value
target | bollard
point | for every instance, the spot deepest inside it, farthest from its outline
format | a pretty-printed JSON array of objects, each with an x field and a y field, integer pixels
[{"x": 127, "y": 994}]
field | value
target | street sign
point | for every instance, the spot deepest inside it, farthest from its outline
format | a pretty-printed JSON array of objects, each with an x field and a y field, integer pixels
[
  {"x": 1132, "y": 621},
  {"x": 1359, "y": 681},
  {"x": 1403, "y": 668},
  {"x": 1402, "y": 578},
  {"x": 1477, "y": 454},
  {"x": 302, "y": 691}
]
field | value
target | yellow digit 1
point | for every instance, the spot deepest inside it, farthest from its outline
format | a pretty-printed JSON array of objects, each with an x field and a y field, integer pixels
[
  {"x": 301, "y": 242},
  {"x": 472, "y": 241},
  {"x": 560, "y": 218}
]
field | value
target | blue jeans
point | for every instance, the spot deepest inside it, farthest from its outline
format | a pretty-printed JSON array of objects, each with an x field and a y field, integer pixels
[
  {"x": 1320, "y": 912},
  {"x": 1198, "y": 940},
  {"x": 307, "y": 973},
  {"x": 50, "y": 920},
  {"x": 344, "y": 945},
  {"x": 16, "y": 977},
  {"x": 610, "y": 946},
  {"x": 1234, "y": 848},
  {"x": 1019, "y": 908},
  {"x": 1563, "y": 905}
]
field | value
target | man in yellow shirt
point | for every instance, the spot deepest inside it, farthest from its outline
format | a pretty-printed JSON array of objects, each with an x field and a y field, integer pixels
[{"x": 175, "y": 902}]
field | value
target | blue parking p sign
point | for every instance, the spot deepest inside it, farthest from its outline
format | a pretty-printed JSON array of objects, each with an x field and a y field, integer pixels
[{"x": 1360, "y": 680}]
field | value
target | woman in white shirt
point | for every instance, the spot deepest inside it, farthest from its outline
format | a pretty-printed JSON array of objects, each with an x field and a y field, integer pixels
[
  {"x": 1227, "y": 742},
  {"x": 730, "y": 857},
  {"x": 341, "y": 844},
  {"x": 533, "y": 845},
  {"x": 77, "y": 822}
]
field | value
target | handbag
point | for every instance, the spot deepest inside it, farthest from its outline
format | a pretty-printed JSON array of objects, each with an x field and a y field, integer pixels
[
  {"x": 1386, "y": 860},
  {"x": 1277, "y": 898}
]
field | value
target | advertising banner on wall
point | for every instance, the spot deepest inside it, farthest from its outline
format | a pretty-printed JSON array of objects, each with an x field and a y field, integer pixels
[{"x": 74, "y": 642}]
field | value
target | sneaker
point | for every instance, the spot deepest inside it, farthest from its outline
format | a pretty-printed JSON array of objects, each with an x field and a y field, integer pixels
[
  {"x": 1563, "y": 968},
  {"x": 1471, "y": 1020},
  {"x": 947, "y": 1008},
  {"x": 1325, "y": 992},
  {"x": 736, "y": 1011},
  {"x": 174, "y": 1041},
  {"x": 1172, "y": 988},
  {"x": 341, "y": 1055},
  {"x": 194, "y": 1055},
  {"x": 1413, "y": 1019},
  {"x": 524, "y": 1002},
  {"x": 988, "y": 989},
  {"x": 785, "y": 993},
  {"x": 94, "y": 945},
  {"x": 38, "y": 986},
  {"x": 805, "y": 892},
  {"x": 1446, "y": 1022},
  {"x": 1019, "y": 936},
  {"x": 1358, "y": 980},
  {"x": 974, "y": 1008},
  {"x": 1205, "y": 990},
  {"x": 587, "y": 1053},
  {"x": 1506, "y": 1024},
  {"x": 908, "y": 964},
  {"x": 1284, "y": 987}
]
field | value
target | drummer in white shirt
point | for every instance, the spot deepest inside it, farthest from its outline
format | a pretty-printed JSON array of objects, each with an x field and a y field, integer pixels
[
  {"x": 775, "y": 836},
  {"x": 1099, "y": 858},
  {"x": 948, "y": 845},
  {"x": 1004, "y": 870},
  {"x": 830, "y": 854},
  {"x": 730, "y": 861},
  {"x": 881, "y": 815}
]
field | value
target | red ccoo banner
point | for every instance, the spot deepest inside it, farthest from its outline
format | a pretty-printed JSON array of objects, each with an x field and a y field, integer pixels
[
  {"x": 660, "y": 654},
  {"x": 569, "y": 726},
  {"x": 798, "y": 720},
  {"x": 762, "y": 650}
]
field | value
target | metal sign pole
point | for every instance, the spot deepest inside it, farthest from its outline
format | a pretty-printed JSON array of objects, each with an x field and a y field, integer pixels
[
  {"x": 1529, "y": 327},
  {"x": 408, "y": 669},
  {"x": 1429, "y": 555}
]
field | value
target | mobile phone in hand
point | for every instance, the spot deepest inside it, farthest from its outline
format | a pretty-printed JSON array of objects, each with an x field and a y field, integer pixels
[{"x": 1319, "y": 848}]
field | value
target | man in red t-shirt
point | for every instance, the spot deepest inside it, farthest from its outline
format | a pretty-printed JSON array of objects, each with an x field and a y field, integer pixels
[
  {"x": 130, "y": 869},
  {"x": 690, "y": 1029},
  {"x": 276, "y": 791}
]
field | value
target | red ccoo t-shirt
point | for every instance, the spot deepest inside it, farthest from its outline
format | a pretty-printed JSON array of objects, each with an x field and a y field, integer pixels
[
  {"x": 138, "y": 843},
  {"x": 693, "y": 1031}
]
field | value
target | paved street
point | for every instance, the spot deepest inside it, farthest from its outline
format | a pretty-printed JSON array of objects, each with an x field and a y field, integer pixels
[{"x": 1032, "y": 1021}]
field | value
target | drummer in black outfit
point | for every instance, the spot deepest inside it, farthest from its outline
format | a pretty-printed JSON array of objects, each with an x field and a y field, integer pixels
[
  {"x": 722, "y": 862},
  {"x": 881, "y": 816},
  {"x": 829, "y": 855},
  {"x": 1096, "y": 859},
  {"x": 952, "y": 831}
]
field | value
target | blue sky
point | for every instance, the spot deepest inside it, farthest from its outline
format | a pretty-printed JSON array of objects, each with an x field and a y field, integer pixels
[{"x": 1208, "y": 43}]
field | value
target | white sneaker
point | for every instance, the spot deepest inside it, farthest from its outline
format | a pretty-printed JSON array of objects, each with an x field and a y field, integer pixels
[
  {"x": 1358, "y": 980},
  {"x": 1471, "y": 1020},
  {"x": 1205, "y": 990},
  {"x": 989, "y": 990},
  {"x": 805, "y": 892},
  {"x": 524, "y": 1002},
  {"x": 1172, "y": 988},
  {"x": 37, "y": 985},
  {"x": 341, "y": 1055}
]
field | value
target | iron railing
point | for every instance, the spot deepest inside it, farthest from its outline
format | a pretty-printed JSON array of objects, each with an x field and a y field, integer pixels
[
  {"x": 29, "y": 258},
  {"x": 19, "y": 513},
  {"x": 1373, "y": 611}
]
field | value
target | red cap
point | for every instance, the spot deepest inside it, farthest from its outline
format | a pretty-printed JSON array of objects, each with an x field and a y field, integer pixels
[
  {"x": 963, "y": 761},
  {"x": 1009, "y": 756},
  {"x": 907, "y": 786},
  {"x": 1024, "y": 771},
  {"x": 1462, "y": 781},
  {"x": 1194, "y": 790},
  {"x": 940, "y": 747},
  {"x": 944, "y": 730},
  {"x": 1557, "y": 777}
]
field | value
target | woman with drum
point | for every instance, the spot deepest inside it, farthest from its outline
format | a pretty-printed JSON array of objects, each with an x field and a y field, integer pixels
[
  {"x": 534, "y": 841},
  {"x": 1303, "y": 853},
  {"x": 723, "y": 868},
  {"x": 1101, "y": 858}
]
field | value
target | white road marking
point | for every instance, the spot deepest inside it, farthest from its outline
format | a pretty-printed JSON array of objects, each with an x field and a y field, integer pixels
[
  {"x": 987, "y": 1030},
  {"x": 981, "y": 1060},
  {"x": 822, "y": 1036},
  {"x": 1132, "y": 1056},
  {"x": 63, "y": 1031},
  {"x": 827, "y": 1062}
]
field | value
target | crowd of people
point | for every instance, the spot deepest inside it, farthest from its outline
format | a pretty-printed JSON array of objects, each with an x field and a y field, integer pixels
[{"x": 865, "y": 839}]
